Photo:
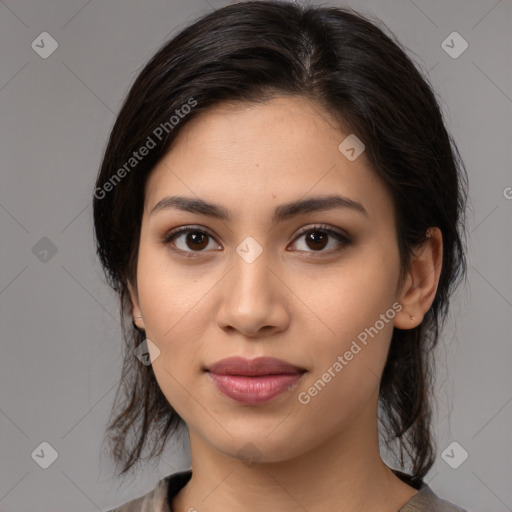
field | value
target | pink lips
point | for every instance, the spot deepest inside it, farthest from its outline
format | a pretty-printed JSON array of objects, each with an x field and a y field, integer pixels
[{"x": 254, "y": 381}]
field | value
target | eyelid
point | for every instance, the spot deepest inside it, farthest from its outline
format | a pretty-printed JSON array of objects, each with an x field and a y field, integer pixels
[
  {"x": 326, "y": 228},
  {"x": 167, "y": 238}
]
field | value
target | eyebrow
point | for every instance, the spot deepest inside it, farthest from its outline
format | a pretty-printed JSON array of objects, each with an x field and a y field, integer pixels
[{"x": 281, "y": 213}]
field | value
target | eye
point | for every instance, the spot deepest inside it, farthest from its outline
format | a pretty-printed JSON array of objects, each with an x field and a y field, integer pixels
[
  {"x": 195, "y": 239},
  {"x": 317, "y": 238}
]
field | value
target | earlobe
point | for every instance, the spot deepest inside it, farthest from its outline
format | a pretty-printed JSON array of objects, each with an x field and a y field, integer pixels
[
  {"x": 421, "y": 283},
  {"x": 136, "y": 312}
]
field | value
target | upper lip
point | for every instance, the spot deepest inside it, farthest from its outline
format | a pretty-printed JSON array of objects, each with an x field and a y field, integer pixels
[{"x": 257, "y": 366}]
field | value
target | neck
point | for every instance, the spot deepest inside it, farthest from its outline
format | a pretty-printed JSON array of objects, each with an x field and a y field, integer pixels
[{"x": 344, "y": 473}]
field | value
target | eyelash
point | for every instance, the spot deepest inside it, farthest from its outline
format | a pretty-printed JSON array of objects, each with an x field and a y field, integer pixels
[{"x": 170, "y": 236}]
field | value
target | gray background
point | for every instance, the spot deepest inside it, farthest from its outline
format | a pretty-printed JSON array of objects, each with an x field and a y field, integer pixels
[{"x": 61, "y": 341}]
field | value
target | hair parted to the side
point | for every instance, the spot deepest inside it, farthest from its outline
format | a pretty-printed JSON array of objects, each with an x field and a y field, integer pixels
[{"x": 251, "y": 51}]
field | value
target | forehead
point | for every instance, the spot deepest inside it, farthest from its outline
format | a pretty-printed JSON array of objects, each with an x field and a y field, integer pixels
[
  {"x": 261, "y": 127},
  {"x": 285, "y": 147}
]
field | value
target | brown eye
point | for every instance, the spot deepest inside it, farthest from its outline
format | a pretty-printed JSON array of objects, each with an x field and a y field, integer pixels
[
  {"x": 192, "y": 241},
  {"x": 196, "y": 240},
  {"x": 187, "y": 240},
  {"x": 316, "y": 238}
]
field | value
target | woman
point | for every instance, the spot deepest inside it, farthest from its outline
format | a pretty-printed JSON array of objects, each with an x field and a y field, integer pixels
[{"x": 281, "y": 211}]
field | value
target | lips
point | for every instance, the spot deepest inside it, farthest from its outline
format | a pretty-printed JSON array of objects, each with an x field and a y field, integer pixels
[
  {"x": 254, "y": 367},
  {"x": 254, "y": 381}
]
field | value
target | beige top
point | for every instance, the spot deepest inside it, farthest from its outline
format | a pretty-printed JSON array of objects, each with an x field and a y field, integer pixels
[{"x": 158, "y": 499}]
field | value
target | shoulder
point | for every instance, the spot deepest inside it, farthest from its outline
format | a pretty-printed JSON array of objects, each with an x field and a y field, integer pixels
[
  {"x": 425, "y": 500},
  {"x": 153, "y": 501},
  {"x": 157, "y": 499}
]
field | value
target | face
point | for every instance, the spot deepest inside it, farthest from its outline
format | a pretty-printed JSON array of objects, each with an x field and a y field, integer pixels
[{"x": 316, "y": 289}]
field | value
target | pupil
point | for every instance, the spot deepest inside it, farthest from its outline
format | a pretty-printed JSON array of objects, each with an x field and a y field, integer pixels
[
  {"x": 315, "y": 237},
  {"x": 193, "y": 239}
]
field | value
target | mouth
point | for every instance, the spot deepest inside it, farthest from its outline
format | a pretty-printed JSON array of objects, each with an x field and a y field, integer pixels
[
  {"x": 253, "y": 367},
  {"x": 254, "y": 381}
]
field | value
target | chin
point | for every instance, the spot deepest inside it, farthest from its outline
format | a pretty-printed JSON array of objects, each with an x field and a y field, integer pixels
[{"x": 259, "y": 448}]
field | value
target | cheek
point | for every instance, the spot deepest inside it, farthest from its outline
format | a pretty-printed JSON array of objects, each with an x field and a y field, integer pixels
[
  {"x": 347, "y": 370},
  {"x": 174, "y": 325},
  {"x": 355, "y": 323},
  {"x": 170, "y": 294},
  {"x": 350, "y": 299},
  {"x": 174, "y": 314}
]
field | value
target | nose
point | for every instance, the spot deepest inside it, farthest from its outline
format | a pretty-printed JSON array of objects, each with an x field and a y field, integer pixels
[{"x": 255, "y": 299}]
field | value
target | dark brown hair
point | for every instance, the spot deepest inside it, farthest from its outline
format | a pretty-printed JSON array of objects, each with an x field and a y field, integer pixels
[{"x": 251, "y": 51}]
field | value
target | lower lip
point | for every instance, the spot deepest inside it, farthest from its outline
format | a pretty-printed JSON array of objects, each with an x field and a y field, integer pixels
[{"x": 254, "y": 390}]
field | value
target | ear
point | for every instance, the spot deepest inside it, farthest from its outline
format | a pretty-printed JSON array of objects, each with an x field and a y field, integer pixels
[
  {"x": 136, "y": 312},
  {"x": 419, "y": 289}
]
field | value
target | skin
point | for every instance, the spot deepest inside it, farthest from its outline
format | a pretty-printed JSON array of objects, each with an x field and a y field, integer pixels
[{"x": 297, "y": 301}]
